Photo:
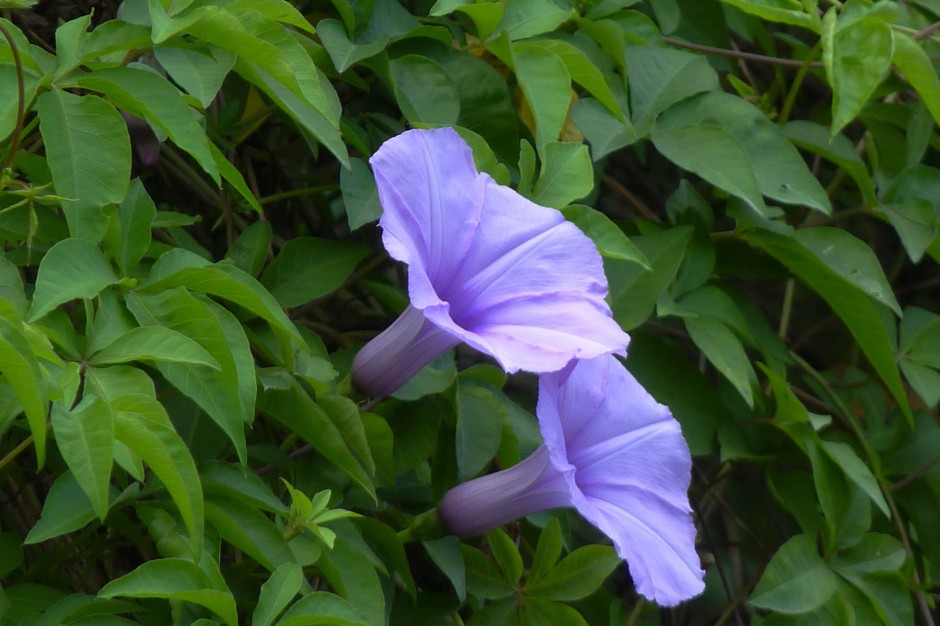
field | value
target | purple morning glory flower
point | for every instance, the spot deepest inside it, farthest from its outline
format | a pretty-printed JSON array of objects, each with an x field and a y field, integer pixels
[
  {"x": 485, "y": 267},
  {"x": 614, "y": 454}
]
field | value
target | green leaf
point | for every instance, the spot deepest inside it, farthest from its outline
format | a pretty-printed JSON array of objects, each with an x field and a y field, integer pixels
[
  {"x": 200, "y": 71},
  {"x": 274, "y": 10},
  {"x": 84, "y": 437},
  {"x": 852, "y": 305},
  {"x": 634, "y": 290},
  {"x": 235, "y": 481},
  {"x": 66, "y": 509},
  {"x": 724, "y": 350},
  {"x": 547, "y": 552},
  {"x": 129, "y": 236},
  {"x": 852, "y": 259},
  {"x": 322, "y": 608},
  {"x": 714, "y": 133},
  {"x": 566, "y": 174},
  {"x": 796, "y": 579},
  {"x": 506, "y": 554},
  {"x": 148, "y": 95},
  {"x": 874, "y": 553},
  {"x": 611, "y": 242},
  {"x": 88, "y": 151},
  {"x": 72, "y": 268},
  {"x": 835, "y": 148},
  {"x": 224, "y": 388},
  {"x": 479, "y": 424},
  {"x": 539, "y": 612},
  {"x": 857, "y": 57},
  {"x": 856, "y": 471},
  {"x": 295, "y": 409},
  {"x": 526, "y": 18},
  {"x": 343, "y": 52},
  {"x": 577, "y": 576},
  {"x": 544, "y": 80},
  {"x": 782, "y": 11},
  {"x": 360, "y": 195},
  {"x": 142, "y": 424},
  {"x": 249, "y": 530},
  {"x": 448, "y": 557},
  {"x": 425, "y": 93},
  {"x": 20, "y": 369},
  {"x": 234, "y": 177},
  {"x": 604, "y": 132},
  {"x": 250, "y": 250},
  {"x": 153, "y": 343},
  {"x": 659, "y": 77},
  {"x": 484, "y": 578},
  {"x": 276, "y": 593},
  {"x": 179, "y": 268},
  {"x": 174, "y": 579},
  {"x": 916, "y": 66},
  {"x": 307, "y": 268}
]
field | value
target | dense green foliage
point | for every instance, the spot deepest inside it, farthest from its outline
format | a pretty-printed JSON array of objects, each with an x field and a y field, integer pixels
[{"x": 189, "y": 263}]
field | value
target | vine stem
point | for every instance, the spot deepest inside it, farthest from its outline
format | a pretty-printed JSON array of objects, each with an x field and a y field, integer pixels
[
  {"x": 20, "y": 96},
  {"x": 926, "y": 31},
  {"x": 15, "y": 452},
  {"x": 738, "y": 54}
]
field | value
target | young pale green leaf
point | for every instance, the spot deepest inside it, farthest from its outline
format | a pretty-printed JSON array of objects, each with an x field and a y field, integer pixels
[
  {"x": 724, "y": 350},
  {"x": 425, "y": 93},
  {"x": 72, "y": 268},
  {"x": 153, "y": 343},
  {"x": 276, "y": 593},
  {"x": 294, "y": 408},
  {"x": 323, "y": 608},
  {"x": 142, "y": 425},
  {"x": 88, "y": 150},
  {"x": 249, "y": 530},
  {"x": 174, "y": 579},
  {"x": 20, "y": 369},
  {"x": 771, "y": 160},
  {"x": 484, "y": 578},
  {"x": 611, "y": 242},
  {"x": 69, "y": 41},
  {"x": 860, "y": 56},
  {"x": 307, "y": 268},
  {"x": 249, "y": 252},
  {"x": 480, "y": 417},
  {"x": 577, "y": 576},
  {"x": 200, "y": 71},
  {"x": 566, "y": 174},
  {"x": 547, "y": 552},
  {"x": 847, "y": 300},
  {"x": 226, "y": 391},
  {"x": 275, "y": 10},
  {"x": 360, "y": 195},
  {"x": 543, "y": 77},
  {"x": 84, "y": 437},
  {"x": 66, "y": 509},
  {"x": 796, "y": 579},
  {"x": 148, "y": 95}
]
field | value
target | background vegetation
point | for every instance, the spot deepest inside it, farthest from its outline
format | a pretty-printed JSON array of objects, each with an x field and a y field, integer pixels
[{"x": 190, "y": 262}]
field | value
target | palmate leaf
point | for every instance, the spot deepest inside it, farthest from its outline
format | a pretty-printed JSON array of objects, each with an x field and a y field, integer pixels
[
  {"x": 84, "y": 436},
  {"x": 578, "y": 575},
  {"x": 153, "y": 343},
  {"x": 276, "y": 593},
  {"x": 72, "y": 268},
  {"x": 796, "y": 579},
  {"x": 20, "y": 369}
]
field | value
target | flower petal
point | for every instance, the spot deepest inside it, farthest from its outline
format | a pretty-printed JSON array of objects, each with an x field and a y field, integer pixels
[{"x": 631, "y": 471}]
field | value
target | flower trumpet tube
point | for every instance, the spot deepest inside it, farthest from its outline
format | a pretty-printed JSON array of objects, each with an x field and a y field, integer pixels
[
  {"x": 617, "y": 456},
  {"x": 486, "y": 267}
]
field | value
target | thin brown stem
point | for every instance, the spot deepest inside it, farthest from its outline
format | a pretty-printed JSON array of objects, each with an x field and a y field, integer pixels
[
  {"x": 738, "y": 54},
  {"x": 20, "y": 96},
  {"x": 926, "y": 31}
]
